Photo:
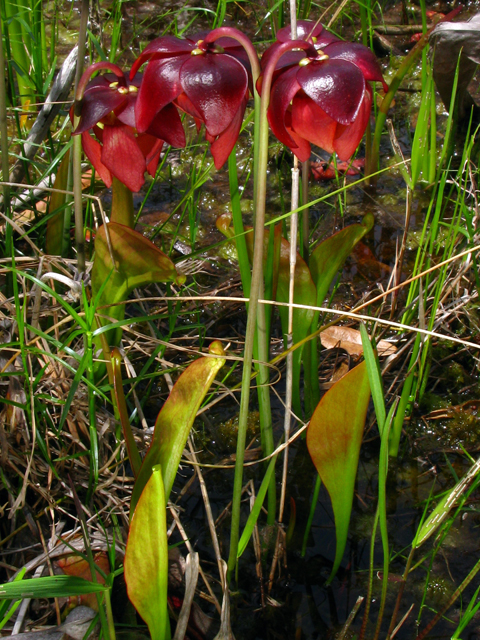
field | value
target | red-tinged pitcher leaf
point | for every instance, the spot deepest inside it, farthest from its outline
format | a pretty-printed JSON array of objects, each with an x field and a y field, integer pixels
[
  {"x": 334, "y": 437},
  {"x": 137, "y": 261},
  {"x": 176, "y": 419},
  {"x": 146, "y": 558}
]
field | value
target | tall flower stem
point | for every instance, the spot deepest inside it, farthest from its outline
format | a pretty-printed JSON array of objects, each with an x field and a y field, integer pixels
[
  {"x": 291, "y": 292},
  {"x": 257, "y": 276},
  {"x": 261, "y": 339},
  {"x": 77, "y": 146}
]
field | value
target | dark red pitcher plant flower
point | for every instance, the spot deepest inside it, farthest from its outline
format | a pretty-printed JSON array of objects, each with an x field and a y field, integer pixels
[
  {"x": 107, "y": 108},
  {"x": 321, "y": 95},
  {"x": 205, "y": 76}
]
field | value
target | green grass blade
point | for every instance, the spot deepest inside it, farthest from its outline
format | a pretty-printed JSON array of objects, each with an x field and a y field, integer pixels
[
  {"x": 257, "y": 507},
  {"x": 374, "y": 377},
  {"x": 49, "y": 587}
]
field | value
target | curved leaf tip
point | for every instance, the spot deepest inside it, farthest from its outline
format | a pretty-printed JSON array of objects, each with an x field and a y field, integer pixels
[{"x": 216, "y": 348}]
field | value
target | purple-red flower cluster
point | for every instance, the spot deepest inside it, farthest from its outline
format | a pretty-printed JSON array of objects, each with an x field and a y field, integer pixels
[
  {"x": 108, "y": 110},
  {"x": 132, "y": 115},
  {"x": 324, "y": 99},
  {"x": 320, "y": 96},
  {"x": 207, "y": 80}
]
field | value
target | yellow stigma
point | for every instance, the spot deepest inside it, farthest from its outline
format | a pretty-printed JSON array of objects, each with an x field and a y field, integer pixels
[
  {"x": 321, "y": 56},
  {"x": 123, "y": 90},
  {"x": 304, "y": 61},
  {"x": 133, "y": 89},
  {"x": 314, "y": 39},
  {"x": 113, "y": 85},
  {"x": 197, "y": 52}
]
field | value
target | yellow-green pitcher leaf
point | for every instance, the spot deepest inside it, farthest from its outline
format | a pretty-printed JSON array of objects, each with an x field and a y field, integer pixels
[
  {"x": 146, "y": 558},
  {"x": 176, "y": 419},
  {"x": 334, "y": 436}
]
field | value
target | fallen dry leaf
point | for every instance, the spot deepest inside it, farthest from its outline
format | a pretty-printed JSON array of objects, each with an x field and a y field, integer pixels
[{"x": 350, "y": 340}]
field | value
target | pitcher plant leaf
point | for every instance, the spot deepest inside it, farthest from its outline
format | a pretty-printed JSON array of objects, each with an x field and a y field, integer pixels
[
  {"x": 334, "y": 437},
  {"x": 176, "y": 419},
  {"x": 146, "y": 558}
]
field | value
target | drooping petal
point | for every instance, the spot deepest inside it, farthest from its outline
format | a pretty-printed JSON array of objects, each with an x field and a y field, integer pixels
[
  {"x": 167, "y": 126},
  {"x": 337, "y": 86},
  {"x": 216, "y": 84},
  {"x": 93, "y": 151},
  {"x": 163, "y": 47},
  {"x": 312, "y": 123},
  {"x": 151, "y": 148},
  {"x": 160, "y": 85},
  {"x": 360, "y": 56},
  {"x": 123, "y": 157},
  {"x": 302, "y": 149},
  {"x": 153, "y": 163},
  {"x": 222, "y": 147},
  {"x": 283, "y": 91},
  {"x": 126, "y": 113},
  {"x": 185, "y": 104},
  {"x": 98, "y": 131},
  {"x": 97, "y": 103},
  {"x": 347, "y": 137}
]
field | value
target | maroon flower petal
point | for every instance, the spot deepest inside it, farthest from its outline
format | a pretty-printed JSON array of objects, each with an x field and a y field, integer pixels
[
  {"x": 151, "y": 148},
  {"x": 216, "y": 84},
  {"x": 97, "y": 103},
  {"x": 302, "y": 149},
  {"x": 123, "y": 157},
  {"x": 283, "y": 91},
  {"x": 337, "y": 86},
  {"x": 347, "y": 137},
  {"x": 93, "y": 151},
  {"x": 360, "y": 56},
  {"x": 185, "y": 104},
  {"x": 126, "y": 113},
  {"x": 163, "y": 47},
  {"x": 312, "y": 123},
  {"x": 160, "y": 86},
  {"x": 167, "y": 126},
  {"x": 222, "y": 147},
  {"x": 98, "y": 131}
]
